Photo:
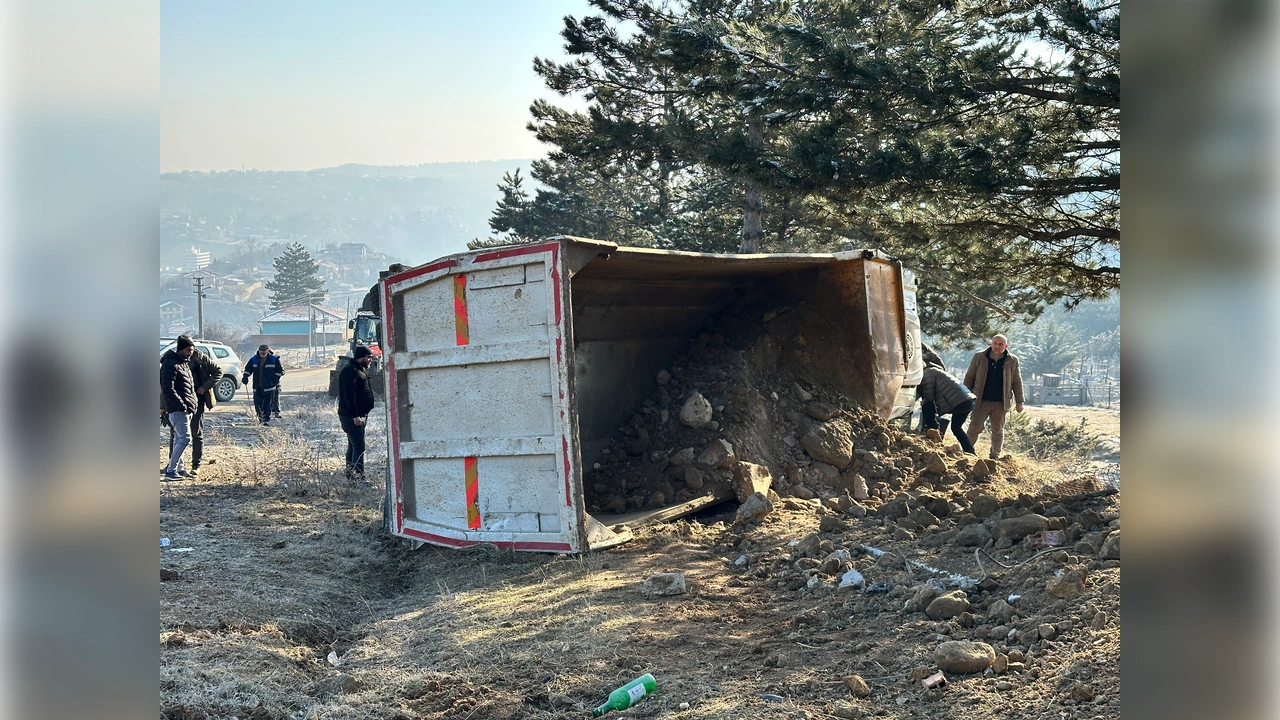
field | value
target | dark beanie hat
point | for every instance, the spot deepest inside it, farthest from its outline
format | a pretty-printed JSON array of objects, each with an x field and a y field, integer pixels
[
  {"x": 361, "y": 351},
  {"x": 184, "y": 341},
  {"x": 263, "y": 347}
]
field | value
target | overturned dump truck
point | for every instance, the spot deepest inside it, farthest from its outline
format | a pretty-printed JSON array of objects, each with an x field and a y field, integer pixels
[{"x": 509, "y": 368}]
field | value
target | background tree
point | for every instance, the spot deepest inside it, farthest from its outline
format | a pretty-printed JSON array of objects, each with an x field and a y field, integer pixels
[
  {"x": 295, "y": 279},
  {"x": 978, "y": 142},
  {"x": 1047, "y": 346}
]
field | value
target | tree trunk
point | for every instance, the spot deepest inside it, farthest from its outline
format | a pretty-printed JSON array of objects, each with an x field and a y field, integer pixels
[{"x": 753, "y": 208}]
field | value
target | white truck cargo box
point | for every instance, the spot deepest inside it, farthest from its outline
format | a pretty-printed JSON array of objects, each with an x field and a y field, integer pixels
[{"x": 502, "y": 363}]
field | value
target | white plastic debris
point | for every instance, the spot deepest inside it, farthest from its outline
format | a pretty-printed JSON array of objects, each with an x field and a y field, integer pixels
[
  {"x": 181, "y": 549},
  {"x": 742, "y": 560},
  {"x": 333, "y": 658},
  {"x": 853, "y": 578},
  {"x": 953, "y": 579},
  {"x": 164, "y": 542},
  {"x": 1013, "y": 596}
]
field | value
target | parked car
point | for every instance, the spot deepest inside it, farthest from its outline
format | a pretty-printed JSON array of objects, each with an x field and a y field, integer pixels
[{"x": 226, "y": 359}]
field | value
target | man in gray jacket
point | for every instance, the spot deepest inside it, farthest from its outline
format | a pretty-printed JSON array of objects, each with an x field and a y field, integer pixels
[
  {"x": 994, "y": 377},
  {"x": 942, "y": 394}
]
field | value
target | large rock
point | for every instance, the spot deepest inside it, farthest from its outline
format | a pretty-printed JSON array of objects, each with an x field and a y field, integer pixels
[
  {"x": 819, "y": 410},
  {"x": 831, "y": 442},
  {"x": 934, "y": 463},
  {"x": 1000, "y": 611},
  {"x": 963, "y": 656},
  {"x": 975, "y": 535},
  {"x": 984, "y": 506},
  {"x": 857, "y": 685},
  {"x": 684, "y": 457},
  {"x": 826, "y": 474},
  {"x": 749, "y": 479},
  {"x": 696, "y": 411},
  {"x": 1016, "y": 528},
  {"x": 807, "y": 546},
  {"x": 948, "y": 605},
  {"x": 753, "y": 509},
  {"x": 921, "y": 598},
  {"x": 893, "y": 509},
  {"x": 694, "y": 481},
  {"x": 665, "y": 584},
  {"x": 983, "y": 468},
  {"x": 1110, "y": 547},
  {"x": 718, "y": 454},
  {"x": 1067, "y": 585}
]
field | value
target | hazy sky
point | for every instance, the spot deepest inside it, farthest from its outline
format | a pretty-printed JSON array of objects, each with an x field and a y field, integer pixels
[{"x": 290, "y": 85}]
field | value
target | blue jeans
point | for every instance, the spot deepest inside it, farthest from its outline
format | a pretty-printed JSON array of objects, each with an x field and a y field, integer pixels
[{"x": 180, "y": 422}]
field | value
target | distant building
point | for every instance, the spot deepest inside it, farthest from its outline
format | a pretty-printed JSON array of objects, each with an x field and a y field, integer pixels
[
  {"x": 347, "y": 253},
  {"x": 195, "y": 259},
  {"x": 301, "y": 324}
]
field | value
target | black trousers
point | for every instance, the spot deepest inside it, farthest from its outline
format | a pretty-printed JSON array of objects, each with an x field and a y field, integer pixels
[
  {"x": 262, "y": 403},
  {"x": 958, "y": 415},
  {"x": 197, "y": 436},
  {"x": 355, "y": 445}
]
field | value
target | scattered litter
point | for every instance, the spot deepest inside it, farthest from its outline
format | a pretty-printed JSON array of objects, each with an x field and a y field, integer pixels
[
  {"x": 853, "y": 578},
  {"x": 1047, "y": 539},
  {"x": 793, "y": 543},
  {"x": 181, "y": 549},
  {"x": 683, "y": 706},
  {"x": 1014, "y": 596},
  {"x": 771, "y": 698},
  {"x": 333, "y": 658},
  {"x": 627, "y": 695},
  {"x": 164, "y": 542},
  {"x": 955, "y": 580},
  {"x": 880, "y": 587},
  {"x": 742, "y": 560},
  {"x": 936, "y": 680}
]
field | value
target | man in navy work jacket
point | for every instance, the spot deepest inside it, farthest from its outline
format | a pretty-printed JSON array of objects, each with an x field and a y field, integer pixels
[{"x": 266, "y": 369}]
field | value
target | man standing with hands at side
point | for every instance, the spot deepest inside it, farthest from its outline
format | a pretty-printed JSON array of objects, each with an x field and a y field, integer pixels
[
  {"x": 994, "y": 378},
  {"x": 355, "y": 401},
  {"x": 265, "y": 368}
]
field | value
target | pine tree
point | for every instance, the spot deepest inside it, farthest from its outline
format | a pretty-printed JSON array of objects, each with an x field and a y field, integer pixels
[
  {"x": 295, "y": 279},
  {"x": 976, "y": 141}
]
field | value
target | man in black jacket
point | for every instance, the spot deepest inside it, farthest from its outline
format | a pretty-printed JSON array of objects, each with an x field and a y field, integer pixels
[
  {"x": 266, "y": 369},
  {"x": 355, "y": 400},
  {"x": 178, "y": 391},
  {"x": 205, "y": 373}
]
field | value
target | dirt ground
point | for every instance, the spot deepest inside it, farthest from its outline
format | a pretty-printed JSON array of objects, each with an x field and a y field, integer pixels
[{"x": 283, "y": 597}]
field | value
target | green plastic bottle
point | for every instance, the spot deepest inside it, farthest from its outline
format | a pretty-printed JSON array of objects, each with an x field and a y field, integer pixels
[{"x": 627, "y": 695}]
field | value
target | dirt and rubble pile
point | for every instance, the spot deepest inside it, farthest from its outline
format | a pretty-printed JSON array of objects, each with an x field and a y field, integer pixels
[{"x": 744, "y": 410}]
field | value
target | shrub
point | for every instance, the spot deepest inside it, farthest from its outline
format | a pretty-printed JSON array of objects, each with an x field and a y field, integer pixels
[{"x": 1047, "y": 439}]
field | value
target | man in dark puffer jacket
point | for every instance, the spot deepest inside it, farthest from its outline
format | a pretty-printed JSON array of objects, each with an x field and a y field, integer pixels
[
  {"x": 355, "y": 401},
  {"x": 942, "y": 394},
  {"x": 178, "y": 391}
]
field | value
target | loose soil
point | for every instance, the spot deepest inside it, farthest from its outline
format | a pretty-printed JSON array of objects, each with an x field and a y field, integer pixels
[{"x": 283, "y": 597}]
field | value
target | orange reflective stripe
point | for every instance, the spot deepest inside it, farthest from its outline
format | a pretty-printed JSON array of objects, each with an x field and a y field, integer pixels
[
  {"x": 473, "y": 492},
  {"x": 460, "y": 309}
]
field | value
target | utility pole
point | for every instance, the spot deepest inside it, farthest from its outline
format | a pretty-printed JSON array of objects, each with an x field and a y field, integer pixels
[
  {"x": 311, "y": 331},
  {"x": 199, "y": 307}
]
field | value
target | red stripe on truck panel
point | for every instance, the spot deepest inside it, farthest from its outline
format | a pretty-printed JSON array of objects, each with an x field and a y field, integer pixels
[
  {"x": 415, "y": 272},
  {"x": 473, "y": 492},
  {"x": 392, "y": 414},
  {"x": 525, "y": 250},
  {"x": 461, "y": 326},
  {"x": 455, "y": 542}
]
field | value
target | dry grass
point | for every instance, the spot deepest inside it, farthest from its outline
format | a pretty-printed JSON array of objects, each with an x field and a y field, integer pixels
[{"x": 289, "y": 563}]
